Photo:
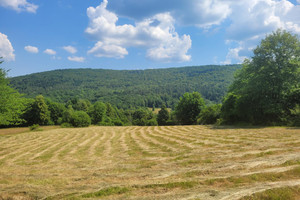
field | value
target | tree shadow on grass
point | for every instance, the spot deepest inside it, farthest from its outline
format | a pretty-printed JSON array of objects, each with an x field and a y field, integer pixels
[
  {"x": 236, "y": 127},
  {"x": 248, "y": 127}
]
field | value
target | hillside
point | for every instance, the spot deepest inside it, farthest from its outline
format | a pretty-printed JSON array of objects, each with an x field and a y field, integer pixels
[{"x": 129, "y": 88}]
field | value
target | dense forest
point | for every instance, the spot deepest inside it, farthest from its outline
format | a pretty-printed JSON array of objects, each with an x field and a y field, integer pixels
[{"x": 129, "y": 88}]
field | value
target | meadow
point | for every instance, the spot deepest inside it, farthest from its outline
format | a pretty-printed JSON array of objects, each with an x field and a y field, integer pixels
[{"x": 171, "y": 162}]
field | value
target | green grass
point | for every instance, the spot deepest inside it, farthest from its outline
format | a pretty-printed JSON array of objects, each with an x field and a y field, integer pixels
[
  {"x": 182, "y": 185},
  {"x": 259, "y": 177},
  {"x": 107, "y": 192},
  {"x": 286, "y": 193}
]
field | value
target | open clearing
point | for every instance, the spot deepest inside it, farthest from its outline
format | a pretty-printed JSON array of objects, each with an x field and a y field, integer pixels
[{"x": 178, "y": 162}]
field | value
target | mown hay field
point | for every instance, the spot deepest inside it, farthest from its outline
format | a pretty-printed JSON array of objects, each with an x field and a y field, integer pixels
[{"x": 178, "y": 162}]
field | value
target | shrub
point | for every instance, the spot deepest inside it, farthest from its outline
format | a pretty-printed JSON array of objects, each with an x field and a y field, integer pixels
[
  {"x": 151, "y": 122},
  {"x": 35, "y": 127},
  {"x": 209, "y": 115},
  {"x": 80, "y": 119},
  {"x": 66, "y": 125}
]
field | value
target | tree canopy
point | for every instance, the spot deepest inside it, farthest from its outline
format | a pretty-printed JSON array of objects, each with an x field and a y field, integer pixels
[
  {"x": 189, "y": 107},
  {"x": 262, "y": 89},
  {"x": 11, "y": 102}
]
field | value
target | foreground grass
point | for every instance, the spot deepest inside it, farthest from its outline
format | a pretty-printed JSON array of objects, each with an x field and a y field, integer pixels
[
  {"x": 178, "y": 162},
  {"x": 286, "y": 193}
]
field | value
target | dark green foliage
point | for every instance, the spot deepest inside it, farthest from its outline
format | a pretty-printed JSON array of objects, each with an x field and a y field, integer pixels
[
  {"x": 143, "y": 117},
  {"x": 97, "y": 112},
  {"x": 67, "y": 115},
  {"x": 128, "y": 88},
  {"x": 295, "y": 116},
  {"x": 188, "y": 108},
  {"x": 56, "y": 111},
  {"x": 75, "y": 118},
  {"x": 35, "y": 127},
  {"x": 80, "y": 119},
  {"x": 37, "y": 112},
  {"x": 11, "y": 103},
  {"x": 210, "y": 114},
  {"x": 163, "y": 116},
  {"x": 265, "y": 89}
]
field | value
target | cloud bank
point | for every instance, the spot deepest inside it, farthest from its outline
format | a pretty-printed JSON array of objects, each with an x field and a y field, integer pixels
[
  {"x": 19, "y": 5},
  {"x": 6, "y": 49},
  {"x": 245, "y": 23},
  {"x": 155, "y": 34}
]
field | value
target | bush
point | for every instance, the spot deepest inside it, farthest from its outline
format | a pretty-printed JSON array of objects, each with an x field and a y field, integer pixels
[
  {"x": 210, "y": 114},
  {"x": 80, "y": 119},
  {"x": 35, "y": 127},
  {"x": 151, "y": 122},
  {"x": 66, "y": 125}
]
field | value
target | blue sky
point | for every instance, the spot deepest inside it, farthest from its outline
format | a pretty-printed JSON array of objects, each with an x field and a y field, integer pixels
[{"x": 45, "y": 35}]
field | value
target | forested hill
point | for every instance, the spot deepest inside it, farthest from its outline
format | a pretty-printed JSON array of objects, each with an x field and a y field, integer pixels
[{"x": 129, "y": 88}]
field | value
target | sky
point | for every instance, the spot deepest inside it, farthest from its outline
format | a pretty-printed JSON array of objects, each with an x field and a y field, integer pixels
[{"x": 43, "y": 35}]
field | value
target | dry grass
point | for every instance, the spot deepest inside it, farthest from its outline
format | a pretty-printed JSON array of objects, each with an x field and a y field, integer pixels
[{"x": 179, "y": 162}]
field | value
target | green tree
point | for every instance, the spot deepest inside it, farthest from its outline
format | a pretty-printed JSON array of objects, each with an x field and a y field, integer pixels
[
  {"x": 56, "y": 111},
  {"x": 80, "y": 119},
  {"x": 97, "y": 112},
  {"x": 210, "y": 114},
  {"x": 163, "y": 116},
  {"x": 261, "y": 89},
  {"x": 188, "y": 108},
  {"x": 37, "y": 112},
  {"x": 12, "y": 105}
]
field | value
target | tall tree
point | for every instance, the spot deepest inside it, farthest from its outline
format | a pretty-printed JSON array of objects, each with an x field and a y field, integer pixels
[
  {"x": 38, "y": 112},
  {"x": 189, "y": 107},
  {"x": 261, "y": 89},
  {"x": 11, "y": 103},
  {"x": 97, "y": 112},
  {"x": 163, "y": 115}
]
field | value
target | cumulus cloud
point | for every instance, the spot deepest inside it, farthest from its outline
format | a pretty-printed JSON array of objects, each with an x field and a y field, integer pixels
[
  {"x": 108, "y": 50},
  {"x": 19, "y": 5},
  {"x": 156, "y": 34},
  {"x": 50, "y": 52},
  {"x": 70, "y": 49},
  {"x": 252, "y": 20},
  {"x": 76, "y": 59},
  {"x": 202, "y": 13},
  {"x": 6, "y": 49},
  {"x": 31, "y": 49}
]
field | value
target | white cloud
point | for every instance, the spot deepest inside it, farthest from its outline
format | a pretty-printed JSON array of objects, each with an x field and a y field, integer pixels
[
  {"x": 76, "y": 59},
  {"x": 234, "y": 55},
  {"x": 50, "y": 52},
  {"x": 70, "y": 49},
  {"x": 6, "y": 49},
  {"x": 19, "y": 5},
  {"x": 108, "y": 50},
  {"x": 202, "y": 13},
  {"x": 252, "y": 20},
  {"x": 156, "y": 34},
  {"x": 31, "y": 49}
]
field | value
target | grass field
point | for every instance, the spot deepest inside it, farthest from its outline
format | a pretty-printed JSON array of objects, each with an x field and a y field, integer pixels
[{"x": 178, "y": 162}]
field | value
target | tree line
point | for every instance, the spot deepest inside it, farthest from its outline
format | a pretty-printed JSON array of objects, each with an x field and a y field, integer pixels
[{"x": 265, "y": 91}]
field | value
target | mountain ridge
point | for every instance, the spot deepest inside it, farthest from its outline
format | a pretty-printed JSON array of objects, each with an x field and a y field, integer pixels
[{"x": 129, "y": 88}]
